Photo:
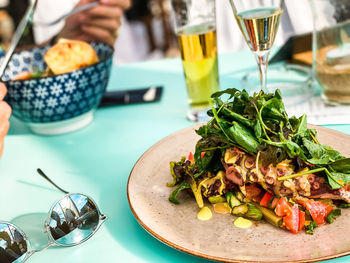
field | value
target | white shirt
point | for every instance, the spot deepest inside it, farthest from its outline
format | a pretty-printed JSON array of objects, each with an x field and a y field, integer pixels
[{"x": 296, "y": 19}]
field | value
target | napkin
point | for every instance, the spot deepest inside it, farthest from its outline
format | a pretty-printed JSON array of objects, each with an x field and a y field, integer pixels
[{"x": 319, "y": 113}]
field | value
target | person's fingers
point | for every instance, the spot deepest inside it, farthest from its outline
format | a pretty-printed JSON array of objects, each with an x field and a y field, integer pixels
[
  {"x": 125, "y": 4},
  {"x": 3, "y": 91},
  {"x": 100, "y": 34},
  {"x": 106, "y": 23},
  {"x": 83, "y": 2},
  {"x": 105, "y": 11},
  {"x": 4, "y": 127},
  {"x": 5, "y": 111},
  {"x": 1, "y": 147}
]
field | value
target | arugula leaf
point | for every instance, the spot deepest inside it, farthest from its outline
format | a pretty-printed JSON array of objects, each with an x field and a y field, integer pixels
[
  {"x": 257, "y": 129},
  {"x": 173, "y": 195},
  {"x": 319, "y": 153},
  {"x": 213, "y": 135},
  {"x": 272, "y": 155},
  {"x": 301, "y": 126},
  {"x": 338, "y": 180},
  {"x": 273, "y": 109},
  {"x": 237, "y": 117},
  {"x": 207, "y": 163},
  {"x": 231, "y": 92},
  {"x": 342, "y": 166},
  {"x": 243, "y": 137}
]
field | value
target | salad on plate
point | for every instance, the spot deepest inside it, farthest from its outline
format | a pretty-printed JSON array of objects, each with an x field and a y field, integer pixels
[{"x": 262, "y": 164}]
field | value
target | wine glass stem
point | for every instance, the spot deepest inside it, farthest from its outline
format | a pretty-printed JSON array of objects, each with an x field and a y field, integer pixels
[{"x": 262, "y": 60}]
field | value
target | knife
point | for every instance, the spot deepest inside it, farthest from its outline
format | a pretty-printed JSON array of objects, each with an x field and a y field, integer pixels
[
  {"x": 27, "y": 18},
  {"x": 124, "y": 97}
]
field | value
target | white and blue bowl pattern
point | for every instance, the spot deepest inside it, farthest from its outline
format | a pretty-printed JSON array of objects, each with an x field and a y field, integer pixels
[{"x": 59, "y": 97}]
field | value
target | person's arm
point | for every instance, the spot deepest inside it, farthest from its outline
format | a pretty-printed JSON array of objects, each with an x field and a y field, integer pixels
[
  {"x": 100, "y": 23},
  {"x": 5, "y": 113}
]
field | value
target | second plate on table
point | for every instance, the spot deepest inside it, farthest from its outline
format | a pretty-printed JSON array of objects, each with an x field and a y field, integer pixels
[{"x": 218, "y": 239}]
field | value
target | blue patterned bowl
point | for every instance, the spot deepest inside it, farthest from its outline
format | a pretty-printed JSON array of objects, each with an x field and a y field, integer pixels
[{"x": 60, "y": 103}]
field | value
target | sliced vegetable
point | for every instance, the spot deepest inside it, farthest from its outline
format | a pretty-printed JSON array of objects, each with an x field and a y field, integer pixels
[
  {"x": 283, "y": 208},
  {"x": 202, "y": 154},
  {"x": 270, "y": 216},
  {"x": 318, "y": 211},
  {"x": 265, "y": 200},
  {"x": 216, "y": 199},
  {"x": 273, "y": 202},
  {"x": 301, "y": 219},
  {"x": 291, "y": 220},
  {"x": 253, "y": 212},
  {"x": 240, "y": 210},
  {"x": 197, "y": 192},
  {"x": 232, "y": 200},
  {"x": 240, "y": 196}
]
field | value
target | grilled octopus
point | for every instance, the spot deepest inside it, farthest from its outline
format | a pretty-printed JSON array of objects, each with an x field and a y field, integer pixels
[{"x": 252, "y": 177}]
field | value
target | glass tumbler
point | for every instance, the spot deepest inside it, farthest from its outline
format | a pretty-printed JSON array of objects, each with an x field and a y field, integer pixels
[
  {"x": 195, "y": 27},
  {"x": 331, "y": 49}
]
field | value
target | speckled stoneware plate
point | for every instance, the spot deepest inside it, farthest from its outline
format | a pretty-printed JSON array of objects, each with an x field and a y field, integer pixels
[{"x": 218, "y": 239}]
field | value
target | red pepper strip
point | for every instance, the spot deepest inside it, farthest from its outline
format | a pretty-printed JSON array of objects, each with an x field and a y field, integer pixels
[
  {"x": 266, "y": 198},
  {"x": 202, "y": 154},
  {"x": 191, "y": 157}
]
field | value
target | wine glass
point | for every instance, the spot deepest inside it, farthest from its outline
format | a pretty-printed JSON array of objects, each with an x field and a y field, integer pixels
[{"x": 258, "y": 21}]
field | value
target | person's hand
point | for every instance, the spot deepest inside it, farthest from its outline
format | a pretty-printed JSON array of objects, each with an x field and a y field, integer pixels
[
  {"x": 100, "y": 23},
  {"x": 5, "y": 113}
]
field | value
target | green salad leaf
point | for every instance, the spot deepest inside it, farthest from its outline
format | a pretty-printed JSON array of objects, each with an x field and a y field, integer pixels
[
  {"x": 173, "y": 195},
  {"x": 341, "y": 166}
]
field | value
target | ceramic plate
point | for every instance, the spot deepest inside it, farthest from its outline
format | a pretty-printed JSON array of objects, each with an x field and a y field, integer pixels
[{"x": 218, "y": 239}]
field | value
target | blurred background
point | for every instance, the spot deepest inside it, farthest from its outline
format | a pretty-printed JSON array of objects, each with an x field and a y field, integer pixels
[{"x": 147, "y": 32}]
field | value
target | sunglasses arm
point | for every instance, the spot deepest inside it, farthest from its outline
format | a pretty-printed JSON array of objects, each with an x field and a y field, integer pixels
[
  {"x": 48, "y": 179},
  {"x": 31, "y": 252}
]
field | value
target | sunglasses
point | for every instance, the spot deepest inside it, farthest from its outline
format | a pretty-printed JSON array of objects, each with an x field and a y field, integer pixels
[{"x": 71, "y": 220}]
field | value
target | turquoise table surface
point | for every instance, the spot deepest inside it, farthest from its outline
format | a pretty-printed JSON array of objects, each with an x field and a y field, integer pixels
[{"x": 97, "y": 160}]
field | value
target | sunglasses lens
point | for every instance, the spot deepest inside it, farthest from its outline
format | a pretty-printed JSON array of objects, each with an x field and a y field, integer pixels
[
  {"x": 73, "y": 219},
  {"x": 13, "y": 246}
]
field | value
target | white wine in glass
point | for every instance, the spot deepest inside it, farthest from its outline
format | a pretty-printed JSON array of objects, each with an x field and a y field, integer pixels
[{"x": 259, "y": 20}]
